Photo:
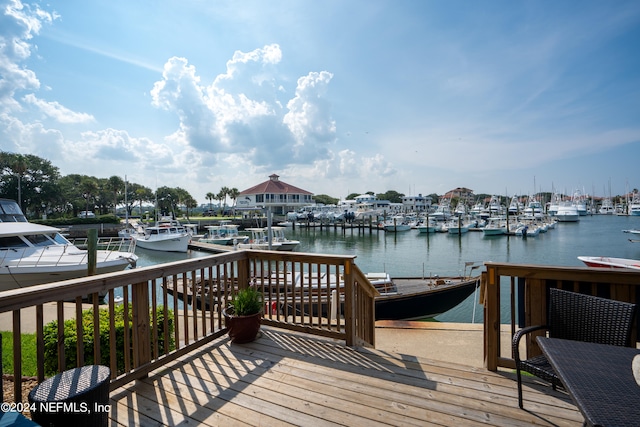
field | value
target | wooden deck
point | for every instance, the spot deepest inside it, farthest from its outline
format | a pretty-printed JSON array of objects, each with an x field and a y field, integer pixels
[{"x": 285, "y": 378}]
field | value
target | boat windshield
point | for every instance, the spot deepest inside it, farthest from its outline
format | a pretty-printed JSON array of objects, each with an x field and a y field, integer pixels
[
  {"x": 10, "y": 211},
  {"x": 39, "y": 240},
  {"x": 12, "y": 242}
]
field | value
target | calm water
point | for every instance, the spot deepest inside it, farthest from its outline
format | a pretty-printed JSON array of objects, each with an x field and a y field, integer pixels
[{"x": 412, "y": 254}]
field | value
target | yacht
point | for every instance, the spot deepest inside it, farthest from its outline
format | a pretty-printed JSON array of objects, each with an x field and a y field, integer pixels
[
  {"x": 33, "y": 254},
  {"x": 580, "y": 202},
  {"x": 607, "y": 207},
  {"x": 534, "y": 208},
  {"x": 567, "y": 212}
]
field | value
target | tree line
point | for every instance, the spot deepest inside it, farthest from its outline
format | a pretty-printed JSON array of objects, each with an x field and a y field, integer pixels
[{"x": 37, "y": 185}]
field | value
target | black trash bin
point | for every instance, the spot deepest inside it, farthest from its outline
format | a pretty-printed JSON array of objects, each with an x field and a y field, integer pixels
[{"x": 76, "y": 397}]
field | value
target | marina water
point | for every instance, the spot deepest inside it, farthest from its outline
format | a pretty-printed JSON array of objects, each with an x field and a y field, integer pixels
[{"x": 410, "y": 253}]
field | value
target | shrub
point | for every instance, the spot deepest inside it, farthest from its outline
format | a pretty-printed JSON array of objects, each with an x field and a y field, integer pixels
[
  {"x": 51, "y": 339},
  {"x": 247, "y": 301}
]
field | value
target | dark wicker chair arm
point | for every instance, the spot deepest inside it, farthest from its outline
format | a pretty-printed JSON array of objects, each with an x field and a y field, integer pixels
[{"x": 520, "y": 334}]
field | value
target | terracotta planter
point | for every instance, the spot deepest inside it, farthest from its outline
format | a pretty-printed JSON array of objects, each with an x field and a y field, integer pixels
[{"x": 242, "y": 329}]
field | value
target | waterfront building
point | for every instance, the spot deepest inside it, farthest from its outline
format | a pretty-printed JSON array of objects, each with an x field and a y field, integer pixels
[
  {"x": 464, "y": 195},
  {"x": 275, "y": 194},
  {"x": 417, "y": 203}
]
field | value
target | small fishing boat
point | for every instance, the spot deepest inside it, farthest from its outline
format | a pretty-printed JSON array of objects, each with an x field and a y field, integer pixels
[
  {"x": 260, "y": 240},
  {"x": 224, "y": 234},
  {"x": 496, "y": 226},
  {"x": 395, "y": 224},
  {"x": 608, "y": 262},
  {"x": 285, "y": 243},
  {"x": 416, "y": 298}
]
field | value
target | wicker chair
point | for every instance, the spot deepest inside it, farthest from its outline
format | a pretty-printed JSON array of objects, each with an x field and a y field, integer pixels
[{"x": 577, "y": 317}]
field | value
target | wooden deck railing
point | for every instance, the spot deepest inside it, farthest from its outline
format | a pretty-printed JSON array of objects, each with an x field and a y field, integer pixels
[
  {"x": 517, "y": 295},
  {"x": 157, "y": 326},
  {"x": 328, "y": 294}
]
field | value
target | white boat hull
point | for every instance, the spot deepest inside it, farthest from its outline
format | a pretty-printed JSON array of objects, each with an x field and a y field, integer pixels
[
  {"x": 396, "y": 228},
  {"x": 22, "y": 276},
  {"x": 494, "y": 231},
  {"x": 567, "y": 217},
  {"x": 172, "y": 244}
]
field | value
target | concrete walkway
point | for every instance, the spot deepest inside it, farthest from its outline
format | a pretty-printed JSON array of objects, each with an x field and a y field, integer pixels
[{"x": 453, "y": 342}]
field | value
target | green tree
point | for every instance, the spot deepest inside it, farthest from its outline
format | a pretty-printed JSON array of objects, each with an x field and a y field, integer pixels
[
  {"x": 325, "y": 200},
  {"x": 29, "y": 179},
  {"x": 115, "y": 185},
  {"x": 89, "y": 188},
  {"x": 392, "y": 196},
  {"x": 143, "y": 194},
  {"x": 184, "y": 198}
]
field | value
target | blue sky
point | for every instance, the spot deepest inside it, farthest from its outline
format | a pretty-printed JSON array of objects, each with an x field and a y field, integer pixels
[{"x": 336, "y": 97}]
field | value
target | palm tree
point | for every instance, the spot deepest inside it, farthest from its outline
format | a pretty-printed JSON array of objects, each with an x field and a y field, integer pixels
[
  {"x": 234, "y": 193},
  {"x": 210, "y": 196},
  {"x": 222, "y": 195}
]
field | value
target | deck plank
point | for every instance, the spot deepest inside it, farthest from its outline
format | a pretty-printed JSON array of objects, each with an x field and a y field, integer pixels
[{"x": 285, "y": 378}]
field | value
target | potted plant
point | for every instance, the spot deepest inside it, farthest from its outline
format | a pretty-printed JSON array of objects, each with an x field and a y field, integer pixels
[{"x": 243, "y": 315}]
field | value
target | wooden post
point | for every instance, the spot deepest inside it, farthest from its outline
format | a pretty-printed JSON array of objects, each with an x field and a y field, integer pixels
[
  {"x": 141, "y": 331},
  {"x": 491, "y": 286},
  {"x": 92, "y": 251},
  {"x": 243, "y": 273},
  {"x": 349, "y": 305}
]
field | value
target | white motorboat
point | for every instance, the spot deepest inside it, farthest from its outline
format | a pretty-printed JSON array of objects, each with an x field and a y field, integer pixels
[
  {"x": 608, "y": 262},
  {"x": 607, "y": 207},
  {"x": 495, "y": 207},
  {"x": 552, "y": 207},
  {"x": 224, "y": 234},
  {"x": 567, "y": 212},
  {"x": 515, "y": 207},
  {"x": 395, "y": 224},
  {"x": 580, "y": 202},
  {"x": 534, "y": 208},
  {"x": 165, "y": 236},
  {"x": 457, "y": 226},
  {"x": 259, "y": 240},
  {"x": 285, "y": 243},
  {"x": 496, "y": 226},
  {"x": 32, "y": 254},
  {"x": 429, "y": 225}
]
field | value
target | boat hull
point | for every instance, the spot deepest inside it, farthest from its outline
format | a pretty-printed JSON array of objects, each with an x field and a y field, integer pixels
[
  {"x": 494, "y": 231},
  {"x": 405, "y": 304},
  {"x": 428, "y": 303},
  {"x": 173, "y": 244},
  {"x": 608, "y": 262},
  {"x": 14, "y": 277}
]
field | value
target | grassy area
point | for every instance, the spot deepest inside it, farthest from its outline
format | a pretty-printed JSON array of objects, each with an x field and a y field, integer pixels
[{"x": 29, "y": 366}]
